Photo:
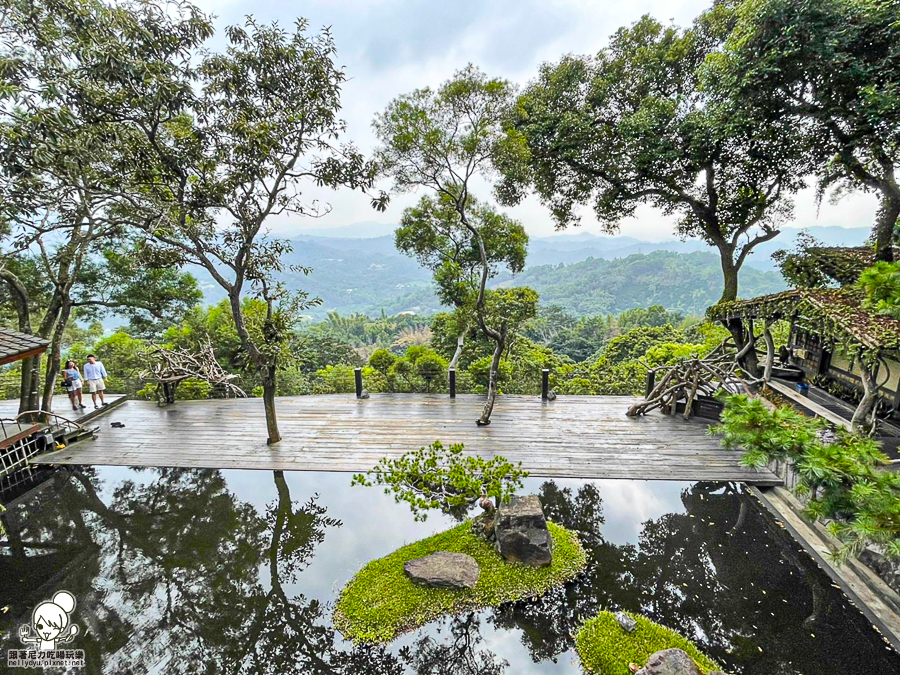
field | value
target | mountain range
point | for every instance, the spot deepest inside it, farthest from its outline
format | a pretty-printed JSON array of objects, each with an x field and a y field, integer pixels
[{"x": 583, "y": 272}]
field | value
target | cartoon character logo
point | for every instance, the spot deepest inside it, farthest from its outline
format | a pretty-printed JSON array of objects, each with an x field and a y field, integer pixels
[{"x": 50, "y": 621}]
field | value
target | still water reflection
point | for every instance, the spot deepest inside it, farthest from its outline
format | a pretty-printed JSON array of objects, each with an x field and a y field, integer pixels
[{"x": 180, "y": 571}]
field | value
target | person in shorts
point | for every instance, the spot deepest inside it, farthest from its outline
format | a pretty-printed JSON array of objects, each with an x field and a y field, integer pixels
[
  {"x": 94, "y": 372},
  {"x": 73, "y": 384}
]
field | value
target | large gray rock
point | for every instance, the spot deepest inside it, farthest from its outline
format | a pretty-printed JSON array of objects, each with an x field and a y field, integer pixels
[
  {"x": 669, "y": 662},
  {"x": 444, "y": 570},
  {"x": 521, "y": 531}
]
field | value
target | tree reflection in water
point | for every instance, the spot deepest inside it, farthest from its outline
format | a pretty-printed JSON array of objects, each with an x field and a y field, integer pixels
[
  {"x": 174, "y": 574},
  {"x": 196, "y": 576},
  {"x": 722, "y": 573}
]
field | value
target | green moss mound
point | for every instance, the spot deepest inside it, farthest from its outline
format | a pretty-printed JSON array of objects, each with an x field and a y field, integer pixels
[
  {"x": 605, "y": 648},
  {"x": 380, "y": 602}
]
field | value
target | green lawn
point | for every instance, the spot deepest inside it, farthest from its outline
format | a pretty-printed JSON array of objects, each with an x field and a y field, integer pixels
[{"x": 380, "y": 602}]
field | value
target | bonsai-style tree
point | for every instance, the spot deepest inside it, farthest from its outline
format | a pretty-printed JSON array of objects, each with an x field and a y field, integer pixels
[
  {"x": 441, "y": 478},
  {"x": 634, "y": 125},
  {"x": 832, "y": 68},
  {"x": 432, "y": 232},
  {"x": 442, "y": 139}
]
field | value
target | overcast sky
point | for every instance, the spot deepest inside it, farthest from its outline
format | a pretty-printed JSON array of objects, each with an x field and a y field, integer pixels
[{"x": 390, "y": 47}]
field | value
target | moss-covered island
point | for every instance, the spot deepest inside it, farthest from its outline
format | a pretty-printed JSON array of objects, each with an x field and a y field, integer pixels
[
  {"x": 606, "y": 649},
  {"x": 380, "y": 602}
]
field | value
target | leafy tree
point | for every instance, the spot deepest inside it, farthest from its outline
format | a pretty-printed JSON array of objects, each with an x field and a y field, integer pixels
[
  {"x": 634, "y": 125},
  {"x": 430, "y": 367},
  {"x": 831, "y": 67},
  {"x": 61, "y": 197},
  {"x": 433, "y": 233},
  {"x": 382, "y": 360},
  {"x": 444, "y": 479},
  {"x": 442, "y": 139},
  {"x": 264, "y": 120}
]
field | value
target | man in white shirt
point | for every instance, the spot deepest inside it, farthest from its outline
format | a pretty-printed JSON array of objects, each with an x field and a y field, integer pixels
[{"x": 94, "y": 372}]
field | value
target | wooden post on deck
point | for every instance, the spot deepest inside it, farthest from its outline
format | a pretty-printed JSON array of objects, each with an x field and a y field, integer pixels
[
  {"x": 545, "y": 384},
  {"x": 357, "y": 374},
  {"x": 453, "y": 383}
]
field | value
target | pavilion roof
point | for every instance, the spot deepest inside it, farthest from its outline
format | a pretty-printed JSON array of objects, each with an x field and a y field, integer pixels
[
  {"x": 835, "y": 313},
  {"x": 15, "y": 346}
]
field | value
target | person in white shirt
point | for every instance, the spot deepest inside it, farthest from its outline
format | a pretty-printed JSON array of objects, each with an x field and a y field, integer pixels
[{"x": 94, "y": 372}]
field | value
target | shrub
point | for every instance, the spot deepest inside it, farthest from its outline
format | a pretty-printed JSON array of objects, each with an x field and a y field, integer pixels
[
  {"x": 841, "y": 474},
  {"x": 429, "y": 367},
  {"x": 605, "y": 648},
  {"x": 881, "y": 284},
  {"x": 382, "y": 359}
]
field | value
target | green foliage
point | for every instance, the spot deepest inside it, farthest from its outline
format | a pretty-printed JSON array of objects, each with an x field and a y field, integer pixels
[
  {"x": 192, "y": 389},
  {"x": 382, "y": 360},
  {"x": 605, "y": 648},
  {"x": 634, "y": 125},
  {"x": 830, "y": 69},
  {"x": 441, "y": 478},
  {"x": 480, "y": 371},
  {"x": 881, "y": 284},
  {"x": 381, "y": 602},
  {"x": 842, "y": 477},
  {"x": 430, "y": 367},
  {"x": 433, "y": 233}
]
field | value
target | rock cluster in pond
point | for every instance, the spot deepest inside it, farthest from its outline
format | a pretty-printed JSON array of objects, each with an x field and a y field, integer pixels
[
  {"x": 520, "y": 531},
  {"x": 669, "y": 662},
  {"x": 444, "y": 570}
]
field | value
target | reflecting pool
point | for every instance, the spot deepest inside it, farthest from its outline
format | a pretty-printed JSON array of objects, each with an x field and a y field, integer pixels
[{"x": 182, "y": 571}]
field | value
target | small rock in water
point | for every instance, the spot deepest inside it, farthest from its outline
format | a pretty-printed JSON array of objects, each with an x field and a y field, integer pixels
[
  {"x": 551, "y": 395},
  {"x": 364, "y": 394},
  {"x": 521, "y": 531},
  {"x": 670, "y": 662},
  {"x": 444, "y": 570},
  {"x": 626, "y": 622}
]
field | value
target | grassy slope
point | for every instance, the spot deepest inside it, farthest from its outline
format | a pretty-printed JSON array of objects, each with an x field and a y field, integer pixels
[{"x": 380, "y": 602}]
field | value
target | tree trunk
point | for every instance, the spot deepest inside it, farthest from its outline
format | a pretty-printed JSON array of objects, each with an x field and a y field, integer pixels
[
  {"x": 770, "y": 352},
  {"x": 748, "y": 361},
  {"x": 729, "y": 277},
  {"x": 866, "y": 405},
  {"x": 485, "y": 418},
  {"x": 460, "y": 342},
  {"x": 54, "y": 356},
  {"x": 31, "y": 367},
  {"x": 269, "y": 403},
  {"x": 885, "y": 224}
]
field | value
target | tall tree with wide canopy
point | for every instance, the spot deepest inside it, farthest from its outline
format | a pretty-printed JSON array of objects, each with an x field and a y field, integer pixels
[
  {"x": 832, "y": 66},
  {"x": 432, "y": 232},
  {"x": 443, "y": 139},
  {"x": 633, "y": 125},
  {"x": 65, "y": 243},
  {"x": 218, "y": 144}
]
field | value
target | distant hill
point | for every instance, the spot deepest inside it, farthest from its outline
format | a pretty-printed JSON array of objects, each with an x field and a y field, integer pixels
[
  {"x": 598, "y": 273},
  {"x": 689, "y": 282}
]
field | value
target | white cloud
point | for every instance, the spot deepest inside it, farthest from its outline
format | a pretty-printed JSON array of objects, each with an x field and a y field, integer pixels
[{"x": 390, "y": 47}]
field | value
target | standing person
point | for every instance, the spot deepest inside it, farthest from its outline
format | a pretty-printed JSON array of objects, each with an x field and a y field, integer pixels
[
  {"x": 74, "y": 384},
  {"x": 94, "y": 372}
]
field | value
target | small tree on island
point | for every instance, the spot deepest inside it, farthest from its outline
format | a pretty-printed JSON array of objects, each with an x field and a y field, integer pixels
[
  {"x": 435, "y": 477},
  {"x": 442, "y": 139}
]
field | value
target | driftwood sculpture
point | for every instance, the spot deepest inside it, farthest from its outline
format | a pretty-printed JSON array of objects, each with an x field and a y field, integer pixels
[
  {"x": 690, "y": 377},
  {"x": 173, "y": 366}
]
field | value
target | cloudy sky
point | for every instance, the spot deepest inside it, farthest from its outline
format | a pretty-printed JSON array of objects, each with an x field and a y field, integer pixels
[{"x": 390, "y": 47}]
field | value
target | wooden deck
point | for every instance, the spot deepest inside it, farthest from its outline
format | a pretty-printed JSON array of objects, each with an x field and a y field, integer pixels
[{"x": 578, "y": 436}]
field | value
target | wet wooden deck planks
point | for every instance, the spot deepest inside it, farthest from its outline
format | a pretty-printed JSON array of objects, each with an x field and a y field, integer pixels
[{"x": 577, "y": 436}]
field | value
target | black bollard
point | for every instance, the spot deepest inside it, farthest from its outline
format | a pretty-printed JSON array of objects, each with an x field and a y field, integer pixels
[
  {"x": 453, "y": 383},
  {"x": 545, "y": 384},
  {"x": 357, "y": 373}
]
